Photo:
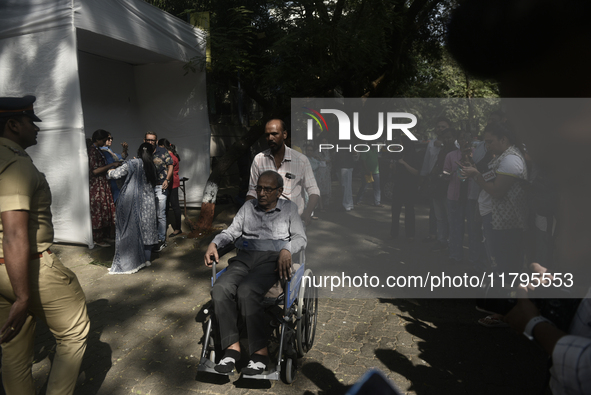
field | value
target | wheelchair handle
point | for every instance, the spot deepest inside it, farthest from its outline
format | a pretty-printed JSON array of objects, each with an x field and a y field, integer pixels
[{"x": 213, "y": 271}]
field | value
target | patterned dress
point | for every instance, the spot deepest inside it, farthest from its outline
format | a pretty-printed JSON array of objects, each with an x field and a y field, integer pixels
[
  {"x": 102, "y": 206},
  {"x": 510, "y": 211},
  {"x": 136, "y": 218}
]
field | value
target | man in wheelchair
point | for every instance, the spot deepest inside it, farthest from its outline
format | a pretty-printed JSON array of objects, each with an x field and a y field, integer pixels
[{"x": 266, "y": 231}]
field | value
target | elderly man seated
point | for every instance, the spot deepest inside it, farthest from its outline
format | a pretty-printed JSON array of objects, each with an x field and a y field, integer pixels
[{"x": 266, "y": 232}]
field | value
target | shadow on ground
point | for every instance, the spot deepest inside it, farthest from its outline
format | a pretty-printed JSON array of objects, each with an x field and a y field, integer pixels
[{"x": 457, "y": 356}]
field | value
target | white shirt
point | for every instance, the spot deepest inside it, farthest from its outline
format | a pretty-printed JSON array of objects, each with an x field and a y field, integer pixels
[{"x": 296, "y": 172}]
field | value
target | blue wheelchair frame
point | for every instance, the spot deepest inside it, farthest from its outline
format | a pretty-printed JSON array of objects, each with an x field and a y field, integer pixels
[{"x": 295, "y": 324}]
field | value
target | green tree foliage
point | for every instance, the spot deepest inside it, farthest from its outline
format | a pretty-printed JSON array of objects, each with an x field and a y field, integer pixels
[
  {"x": 283, "y": 49},
  {"x": 317, "y": 48},
  {"x": 445, "y": 80}
]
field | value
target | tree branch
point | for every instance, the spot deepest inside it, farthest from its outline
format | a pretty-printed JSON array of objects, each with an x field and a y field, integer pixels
[
  {"x": 338, "y": 11},
  {"x": 322, "y": 11}
]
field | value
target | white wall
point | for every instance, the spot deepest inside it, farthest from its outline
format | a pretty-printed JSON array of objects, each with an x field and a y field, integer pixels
[
  {"x": 174, "y": 105},
  {"x": 44, "y": 64},
  {"x": 109, "y": 100}
]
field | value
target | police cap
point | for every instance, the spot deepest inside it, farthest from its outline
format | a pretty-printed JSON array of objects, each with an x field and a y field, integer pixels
[{"x": 12, "y": 106}]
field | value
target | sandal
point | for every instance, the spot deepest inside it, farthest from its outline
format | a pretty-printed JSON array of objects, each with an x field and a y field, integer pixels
[{"x": 492, "y": 322}]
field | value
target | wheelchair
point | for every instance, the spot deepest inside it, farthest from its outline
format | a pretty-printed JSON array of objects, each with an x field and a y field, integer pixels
[{"x": 293, "y": 309}]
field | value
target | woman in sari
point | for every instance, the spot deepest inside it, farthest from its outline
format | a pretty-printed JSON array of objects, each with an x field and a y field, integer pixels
[{"x": 136, "y": 225}]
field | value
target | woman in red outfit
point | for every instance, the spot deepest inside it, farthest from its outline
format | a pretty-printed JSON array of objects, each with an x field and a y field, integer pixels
[
  {"x": 173, "y": 195},
  {"x": 102, "y": 207}
]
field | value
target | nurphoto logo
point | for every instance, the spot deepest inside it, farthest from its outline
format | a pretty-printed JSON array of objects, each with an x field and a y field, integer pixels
[{"x": 391, "y": 120}]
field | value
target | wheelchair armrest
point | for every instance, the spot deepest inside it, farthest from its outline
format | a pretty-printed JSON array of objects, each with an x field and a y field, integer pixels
[
  {"x": 223, "y": 251},
  {"x": 292, "y": 287},
  {"x": 299, "y": 257}
]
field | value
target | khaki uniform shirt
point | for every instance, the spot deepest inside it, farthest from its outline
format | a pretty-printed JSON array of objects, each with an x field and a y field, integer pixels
[{"x": 23, "y": 187}]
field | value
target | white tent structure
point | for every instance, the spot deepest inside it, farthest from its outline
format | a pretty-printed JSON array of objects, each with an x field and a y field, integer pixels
[{"x": 103, "y": 64}]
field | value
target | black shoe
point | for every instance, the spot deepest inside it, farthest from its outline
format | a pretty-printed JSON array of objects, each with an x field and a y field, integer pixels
[
  {"x": 160, "y": 246},
  {"x": 228, "y": 362},
  {"x": 257, "y": 365}
]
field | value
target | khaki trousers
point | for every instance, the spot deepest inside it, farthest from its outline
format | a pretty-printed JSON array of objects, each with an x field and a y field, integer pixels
[{"x": 57, "y": 298}]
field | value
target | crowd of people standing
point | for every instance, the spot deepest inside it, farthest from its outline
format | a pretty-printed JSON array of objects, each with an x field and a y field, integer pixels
[
  {"x": 482, "y": 185},
  {"x": 129, "y": 199}
]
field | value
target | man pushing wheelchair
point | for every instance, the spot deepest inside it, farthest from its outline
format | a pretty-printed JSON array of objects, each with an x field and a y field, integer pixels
[{"x": 266, "y": 232}]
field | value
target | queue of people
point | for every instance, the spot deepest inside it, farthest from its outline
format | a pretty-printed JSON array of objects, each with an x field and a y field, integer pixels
[
  {"x": 130, "y": 198},
  {"x": 486, "y": 187}
]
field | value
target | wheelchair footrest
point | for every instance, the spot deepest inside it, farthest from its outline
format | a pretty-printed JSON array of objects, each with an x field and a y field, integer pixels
[
  {"x": 271, "y": 374},
  {"x": 206, "y": 365}
]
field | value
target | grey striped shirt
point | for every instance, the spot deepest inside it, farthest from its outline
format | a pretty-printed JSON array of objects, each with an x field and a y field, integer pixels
[{"x": 258, "y": 230}]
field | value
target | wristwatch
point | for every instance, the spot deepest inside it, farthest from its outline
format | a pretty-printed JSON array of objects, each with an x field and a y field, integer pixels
[{"x": 529, "y": 328}]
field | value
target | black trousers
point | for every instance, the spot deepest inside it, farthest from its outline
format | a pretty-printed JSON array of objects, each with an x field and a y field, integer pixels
[
  {"x": 242, "y": 290},
  {"x": 403, "y": 197},
  {"x": 173, "y": 201}
]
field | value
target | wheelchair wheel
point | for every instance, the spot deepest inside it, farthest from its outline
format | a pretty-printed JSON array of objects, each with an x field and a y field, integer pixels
[
  {"x": 307, "y": 317},
  {"x": 289, "y": 370}
]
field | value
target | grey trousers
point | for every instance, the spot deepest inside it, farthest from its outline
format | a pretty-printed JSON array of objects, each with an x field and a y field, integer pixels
[{"x": 242, "y": 289}]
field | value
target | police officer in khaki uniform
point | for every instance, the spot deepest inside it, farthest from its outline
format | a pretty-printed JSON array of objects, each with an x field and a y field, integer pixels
[{"x": 33, "y": 281}]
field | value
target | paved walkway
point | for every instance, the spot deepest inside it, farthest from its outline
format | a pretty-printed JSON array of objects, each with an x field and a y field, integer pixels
[{"x": 145, "y": 334}]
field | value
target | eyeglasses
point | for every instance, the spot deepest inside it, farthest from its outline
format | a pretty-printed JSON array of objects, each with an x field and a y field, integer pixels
[
  {"x": 110, "y": 138},
  {"x": 265, "y": 190},
  {"x": 149, "y": 141}
]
